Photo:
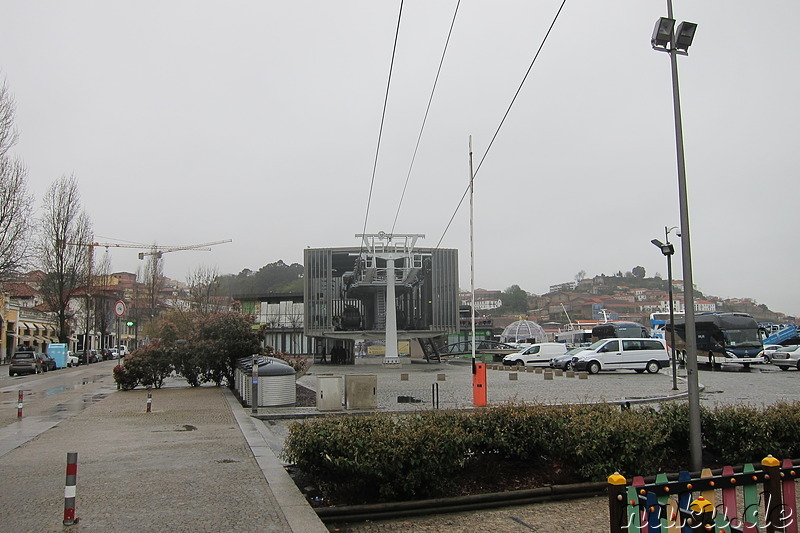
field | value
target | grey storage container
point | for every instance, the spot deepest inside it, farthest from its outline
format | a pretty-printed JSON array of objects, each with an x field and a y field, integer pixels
[{"x": 276, "y": 383}]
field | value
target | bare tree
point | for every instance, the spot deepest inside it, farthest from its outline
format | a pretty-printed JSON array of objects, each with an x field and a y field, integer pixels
[
  {"x": 203, "y": 285},
  {"x": 66, "y": 232},
  {"x": 8, "y": 132},
  {"x": 16, "y": 216},
  {"x": 15, "y": 200}
]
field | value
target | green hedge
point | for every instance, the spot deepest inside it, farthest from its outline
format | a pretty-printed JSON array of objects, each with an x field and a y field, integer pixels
[{"x": 385, "y": 457}]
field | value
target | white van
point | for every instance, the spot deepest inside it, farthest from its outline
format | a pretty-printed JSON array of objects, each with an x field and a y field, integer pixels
[
  {"x": 536, "y": 354},
  {"x": 629, "y": 354}
]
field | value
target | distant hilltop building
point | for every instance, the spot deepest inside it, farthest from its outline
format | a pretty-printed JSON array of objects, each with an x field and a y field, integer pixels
[
  {"x": 485, "y": 300},
  {"x": 568, "y": 286}
]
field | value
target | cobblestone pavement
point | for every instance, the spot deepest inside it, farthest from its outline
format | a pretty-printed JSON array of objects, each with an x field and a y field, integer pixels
[{"x": 184, "y": 467}]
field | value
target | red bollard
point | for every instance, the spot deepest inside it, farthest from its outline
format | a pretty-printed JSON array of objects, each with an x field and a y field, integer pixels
[
  {"x": 19, "y": 405},
  {"x": 149, "y": 400},
  {"x": 70, "y": 489}
]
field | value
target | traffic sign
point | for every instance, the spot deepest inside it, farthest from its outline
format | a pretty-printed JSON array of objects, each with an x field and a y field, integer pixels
[{"x": 119, "y": 308}]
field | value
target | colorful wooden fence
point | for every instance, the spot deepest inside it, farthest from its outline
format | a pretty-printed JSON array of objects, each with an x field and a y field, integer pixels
[{"x": 708, "y": 503}]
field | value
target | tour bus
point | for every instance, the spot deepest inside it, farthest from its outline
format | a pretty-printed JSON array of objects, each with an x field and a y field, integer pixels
[
  {"x": 658, "y": 323},
  {"x": 575, "y": 337},
  {"x": 619, "y": 328},
  {"x": 722, "y": 338}
]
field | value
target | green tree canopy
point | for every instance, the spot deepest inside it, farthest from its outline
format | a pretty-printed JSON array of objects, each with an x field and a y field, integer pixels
[{"x": 515, "y": 300}]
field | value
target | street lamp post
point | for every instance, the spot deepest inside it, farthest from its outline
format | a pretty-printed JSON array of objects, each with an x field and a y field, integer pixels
[
  {"x": 667, "y": 249},
  {"x": 665, "y": 40}
]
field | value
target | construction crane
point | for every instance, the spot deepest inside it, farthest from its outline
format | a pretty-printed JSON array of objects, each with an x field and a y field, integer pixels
[
  {"x": 154, "y": 249},
  {"x": 159, "y": 251}
]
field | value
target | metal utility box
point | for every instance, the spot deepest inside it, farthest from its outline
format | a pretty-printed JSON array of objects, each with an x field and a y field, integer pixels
[
  {"x": 361, "y": 391},
  {"x": 330, "y": 391}
]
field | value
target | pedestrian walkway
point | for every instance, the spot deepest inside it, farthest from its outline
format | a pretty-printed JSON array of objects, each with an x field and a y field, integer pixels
[{"x": 196, "y": 463}]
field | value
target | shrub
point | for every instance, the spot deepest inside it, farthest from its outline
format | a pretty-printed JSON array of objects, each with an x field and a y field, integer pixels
[
  {"x": 737, "y": 433},
  {"x": 152, "y": 364},
  {"x": 601, "y": 439},
  {"x": 125, "y": 378},
  {"x": 188, "y": 363},
  {"x": 380, "y": 456},
  {"x": 418, "y": 455}
]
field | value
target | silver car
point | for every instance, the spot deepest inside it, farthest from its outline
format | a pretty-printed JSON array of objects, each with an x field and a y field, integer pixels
[
  {"x": 564, "y": 362},
  {"x": 787, "y": 357},
  {"x": 768, "y": 350}
]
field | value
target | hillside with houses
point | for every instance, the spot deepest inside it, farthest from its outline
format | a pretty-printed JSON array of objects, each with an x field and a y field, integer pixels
[{"x": 603, "y": 297}]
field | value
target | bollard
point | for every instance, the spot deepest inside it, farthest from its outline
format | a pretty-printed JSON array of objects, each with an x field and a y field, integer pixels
[
  {"x": 19, "y": 405},
  {"x": 548, "y": 376},
  {"x": 254, "y": 389},
  {"x": 440, "y": 377},
  {"x": 149, "y": 400},
  {"x": 538, "y": 370},
  {"x": 513, "y": 377},
  {"x": 403, "y": 377},
  {"x": 570, "y": 373},
  {"x": 583, "y": 375},
  {"x": 70, "y": 489},
  {"x": 559, "y": 372}
]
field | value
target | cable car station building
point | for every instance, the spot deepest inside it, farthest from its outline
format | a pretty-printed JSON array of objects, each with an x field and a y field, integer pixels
[{"x": 384, "y": 289}]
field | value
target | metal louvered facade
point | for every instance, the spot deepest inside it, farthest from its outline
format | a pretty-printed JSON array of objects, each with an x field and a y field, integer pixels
[{"x": 338, "y": 307}]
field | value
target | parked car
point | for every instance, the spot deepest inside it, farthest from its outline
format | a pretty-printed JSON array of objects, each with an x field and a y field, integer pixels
[
  {"x": 564, "y": 362},
  {"x": 94, "y": 356},
  {"x": 768, "y": 350},
  {"x": 787, "y": 357},
  {"x": 113, "y": 353},
  {"x": 72, "y": 359},
  {"x": 25, "y": 363},
  {"x": 632, "y": 354},
  {"x": 47, "y": 362},
  {"x": 536, "y": 354},
  {"x": 122, "y": 350}
]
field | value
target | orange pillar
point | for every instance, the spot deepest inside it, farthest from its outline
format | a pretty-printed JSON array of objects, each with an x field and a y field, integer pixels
[{"x": 479, "y": 384}]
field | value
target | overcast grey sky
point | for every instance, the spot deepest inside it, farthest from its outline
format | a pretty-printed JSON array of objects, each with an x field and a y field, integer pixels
[{"x": 257, "y": 121}]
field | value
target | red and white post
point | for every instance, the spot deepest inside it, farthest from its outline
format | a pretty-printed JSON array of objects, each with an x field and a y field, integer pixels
[
  {"x": 19, "y": 405},
  {"x": 70, "y": 489}
]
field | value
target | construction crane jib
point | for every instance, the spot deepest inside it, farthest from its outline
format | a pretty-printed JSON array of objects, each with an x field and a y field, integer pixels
[{"x": 161, "y": 250}]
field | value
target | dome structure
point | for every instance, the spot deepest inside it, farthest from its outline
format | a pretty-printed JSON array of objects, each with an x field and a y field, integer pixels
[{"x": 523, "y": 331}]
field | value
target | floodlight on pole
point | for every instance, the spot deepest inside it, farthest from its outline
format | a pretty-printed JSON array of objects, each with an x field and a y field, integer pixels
[
  {"x": 667, "y": 249},
  {"x": 662, "y": 33},
  {"x": 684, "y": 35},
  {"x": 679, "y": 46}
]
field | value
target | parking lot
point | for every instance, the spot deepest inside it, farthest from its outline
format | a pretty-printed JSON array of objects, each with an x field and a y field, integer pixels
[{"x": 759, "y": 385}]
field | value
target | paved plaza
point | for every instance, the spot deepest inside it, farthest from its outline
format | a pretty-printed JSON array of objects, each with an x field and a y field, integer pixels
[{"x": 200, "y": 462}]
